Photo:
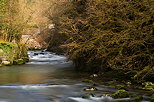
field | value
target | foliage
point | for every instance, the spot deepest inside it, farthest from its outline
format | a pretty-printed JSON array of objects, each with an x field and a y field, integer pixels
[
  {"x": 137, "y": 97},
  {"x": 146, "y": 73},
  {"x": 14, "y": 51},
  {"x": 152, "y": 98},
  {"x": 119, "y": 86},
  {"x": 8, "y": 49},
  {"x": 56, "y": 38},
  {"x": 108, "y": 34},
  {"x": 26, "y": 59},
  {"x": 148, "y": 86},
  {"x": 11, "y": 23},
  {"x": 120, "y": 94},
  {"x": 18, "y": 62}
]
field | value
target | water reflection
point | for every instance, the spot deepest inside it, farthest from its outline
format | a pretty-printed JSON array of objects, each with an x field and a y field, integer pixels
[{"x": 33, "y": 74}]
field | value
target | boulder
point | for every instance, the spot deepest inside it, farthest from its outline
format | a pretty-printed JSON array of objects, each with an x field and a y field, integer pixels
[
  {"x": 120, "y": 94},
  {"x": 90, "y": 89},
  {"x": 6, "y": 63},
  {"x": 87, "y": 95}
]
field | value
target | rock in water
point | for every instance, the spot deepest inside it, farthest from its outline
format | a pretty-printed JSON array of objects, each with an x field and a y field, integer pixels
[
  {"x": 88, "y": 95},
  {"x": 90, "y": 89},
  {"x": 120, "y": 94}
]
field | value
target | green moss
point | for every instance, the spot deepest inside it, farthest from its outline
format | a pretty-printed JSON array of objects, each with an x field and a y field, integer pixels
[
  {"x": 7, "y": 49},
  {"x": 120, "y": 94},
  {"x": 148, "y": 86},
  {"x": 137, "y": 97},
  {"x": 151, "y": 87},
  {"x": 111, "y": 82},
  {"x": 26, "y": 59},
  {"x": 18, "y": 62},
  {"x": 120, "y": 87},
  {"x": 16, "y": 53},
  {"x": 4, "y": 45},
  {"x": 152, "y": 98},
  {"x": 144, "y": 73}
]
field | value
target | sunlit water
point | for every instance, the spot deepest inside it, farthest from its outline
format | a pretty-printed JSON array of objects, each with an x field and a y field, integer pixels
[{"x": 47, "y": 78}]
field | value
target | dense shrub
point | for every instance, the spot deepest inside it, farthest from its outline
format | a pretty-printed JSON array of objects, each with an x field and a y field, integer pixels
[
  {"x": 109, "y": 34},
  {"x": 13, "y": 51}
]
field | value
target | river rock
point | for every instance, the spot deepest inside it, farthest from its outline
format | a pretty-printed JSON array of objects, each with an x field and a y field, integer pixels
[
  {"x": 42, "y": 53},
  {"x": 90, "y": 89},
  {"x": 6, "y": 63},
  {"x": 36, "y": 54},
  {"x": 87, "y": 95},
  {"x": 120, "y": 94},
  {"x": 93, "y": 75}
]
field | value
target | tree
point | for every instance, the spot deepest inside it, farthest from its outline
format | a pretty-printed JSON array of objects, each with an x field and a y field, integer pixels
[
  {"x": 11, "y": 23},
  {"x": 109, "y": 34}
]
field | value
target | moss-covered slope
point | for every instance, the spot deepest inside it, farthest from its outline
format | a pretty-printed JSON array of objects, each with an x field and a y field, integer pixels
[{"x": 11, "y": 52}]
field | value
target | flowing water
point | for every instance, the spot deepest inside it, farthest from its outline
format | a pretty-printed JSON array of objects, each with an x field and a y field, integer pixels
[{"x": 47, "y": 78}]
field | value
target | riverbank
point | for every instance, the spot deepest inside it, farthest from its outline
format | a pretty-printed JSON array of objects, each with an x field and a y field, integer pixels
[
  {"x": 125, "y": 88},
  {"x": 53, "y": 78},
  {"x": 12, "y": 53}
]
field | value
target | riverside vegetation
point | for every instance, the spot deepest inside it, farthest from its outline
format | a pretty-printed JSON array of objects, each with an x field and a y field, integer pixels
[
  {"x": 113, "y": 37},
  {"x": 11, "y": 53},
  {"x": 104, "y": 35},
  {"x": 11, "y": 26}
]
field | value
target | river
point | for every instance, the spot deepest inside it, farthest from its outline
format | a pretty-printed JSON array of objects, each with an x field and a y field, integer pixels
[{"x": 47, "y": 78}]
